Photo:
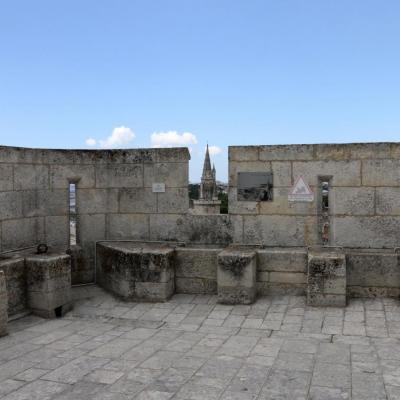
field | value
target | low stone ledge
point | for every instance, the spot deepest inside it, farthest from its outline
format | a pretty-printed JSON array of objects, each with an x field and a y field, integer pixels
[
  {"x": 236, "y": 276},
  {"x": 3, "y": 305},
  {"x": 326, "y": 279},
  {"x": 49, "y": 284}
]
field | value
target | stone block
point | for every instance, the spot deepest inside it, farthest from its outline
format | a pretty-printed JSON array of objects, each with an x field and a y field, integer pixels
[
  {"x": 353, "y": 201},
  {"x": 243, "y": 153},
  {"x": 14, "y": 270},
  {"x": 3, "y": 305},
  {"x": 280, "y": 230},
  {"x": 372, "y": 268},
  {"x": 236, "y": 276},
  {"x": 28, "y": 177},
  {"x": 22, "y": 232},
  {"x": 287, "y": 152},
  {"x": 287, "y": 277},
  {"x": 282, "y": 260},
  {"x": 62, "y": 175},
  {"x": 344, "y": 173},
  {"x": 11, "y": 205},
  {"x": 174, "y": 175},
  {"x": 374, "y": 231},
  {"x": 196, "y": 262},
  {"x": 174, "y": 200},
  {"x": 137, "y": 200},
  {"x": 135, "y": 270},
  {"x": 206, "y": 207},
  {"x": 37, "y": 203},
  {"x": 167, "y": 227},
  {"x": 91, "y": 227},
  {"x": 282, "y": 171},
  {"x": 82, "y": 268},
  {"x": 97, "y": 201},
  {"x": 57, "y": 231},
  {"x": 172, "y": 154},
  {"x": 128, "y": 226},
  {"x": 6, "y": 177},
  {"x": 119, "y": 175},
  {"x": 326, "y": 278},
  {"x": 381, "y": 173},
  {"x": 196, "y": 285},
  {"x": 49, "y": 284},
  {"x": 388, "y": 201}
]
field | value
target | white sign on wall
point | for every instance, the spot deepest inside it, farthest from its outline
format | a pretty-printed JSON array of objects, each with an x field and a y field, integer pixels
[
  {"x": 158, "y": 187},
  {"x": 301, "y": 191}
]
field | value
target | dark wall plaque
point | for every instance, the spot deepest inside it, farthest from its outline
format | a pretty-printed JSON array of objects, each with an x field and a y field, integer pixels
[{"x": 255, "y": 186}]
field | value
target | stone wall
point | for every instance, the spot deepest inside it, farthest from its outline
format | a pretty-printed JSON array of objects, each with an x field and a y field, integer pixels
[
  {"x": 114, "y": 197},
  {"x": 364, "y": 194}
]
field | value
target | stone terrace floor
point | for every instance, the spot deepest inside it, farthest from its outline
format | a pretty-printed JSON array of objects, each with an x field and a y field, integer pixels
[{"x": 193, "y": 348}]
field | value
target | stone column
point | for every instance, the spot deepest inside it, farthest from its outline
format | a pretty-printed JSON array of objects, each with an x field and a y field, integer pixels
[
  {"x": 3, "y": 305},
  {"x": 326, "y": 283},
  {"x": 236, "y": 276}
]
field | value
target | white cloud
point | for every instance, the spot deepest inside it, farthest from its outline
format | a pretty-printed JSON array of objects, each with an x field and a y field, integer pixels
[
  {"x": 214, "y": 150},
  {"x": 91, "y": 142},
  {"x": 119, "y": 137},
  {"x": 172, "y": 139}
]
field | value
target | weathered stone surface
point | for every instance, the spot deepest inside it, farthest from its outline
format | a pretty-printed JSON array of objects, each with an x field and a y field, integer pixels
[
  {"x": 353, "y": 201},
  {"x": 119, "y": 175},
  {"x": 44, "y": 202},
  {"x": 134, "y": 270},
  {"x": 3, "y": 305},
  {"x": 13, "y": 266},
  {"x": 381, "y": 173},
  {"x": 326, "y": 278},
  {"x": 174, "y": 175},
  {"x": 22, "y": 232},
  {"x": 27, "y": 177},
  {"x": 10, "y": 205},
  {"x": 344, "y": 173},
  {"x": 243, "y": 153},
  {"x": 282, "y": 260},
  {"x": 287, "y": 152},
  {"x": 388, "y": 201},
  {"x": 369, "y": 268},
  {"x": 137, "y": 200},
  {"x": 57, "y": 231},
  {"x": 174, "y": 200},
  {"x": 49, "y": 284},
  {"x": 280, "y": 230},
  {"x": 374, "y": 231},
  {"x": 97, "y": 201},
  {"x": 82, "y": 268},
  {"x": 206, "y": 207},
  {"x": 236, "y": 276},
  {"x": 282, "y": 171},
  {"x": 6, "y": 177},
  {"x": 128, "y": 226},
  {"x": 62, "y": 175}
]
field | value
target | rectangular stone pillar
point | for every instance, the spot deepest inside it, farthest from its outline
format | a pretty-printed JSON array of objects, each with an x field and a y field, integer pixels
[
  {"x": 3, "y": 305},
  {"x": 326, "y": 278},
  {"x": 132, "y": 270},
  {"x": 49, "y": 284},
  {"x": 236, "y": 276}
]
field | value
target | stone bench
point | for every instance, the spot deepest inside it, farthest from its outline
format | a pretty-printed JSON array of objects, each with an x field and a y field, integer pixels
[
  {"x": 136, "y": 270},
  {"x": 326, "y": 278},
  {"x": 3, "y": 305},
  {"x": 236, "y": 276},
  {"x": 49, "y": 284}
]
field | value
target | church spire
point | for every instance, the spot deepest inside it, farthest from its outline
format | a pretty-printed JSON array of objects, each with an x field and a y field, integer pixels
[{"x": 207, "y": 163}]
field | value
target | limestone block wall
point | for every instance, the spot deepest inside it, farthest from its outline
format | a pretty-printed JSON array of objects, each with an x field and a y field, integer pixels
[
  {"x": 114, "y": 196},
  {"x": 364, "y": 194}
]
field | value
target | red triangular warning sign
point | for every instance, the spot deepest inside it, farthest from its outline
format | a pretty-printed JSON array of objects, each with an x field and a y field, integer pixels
[{"x": 301, "y": 191}]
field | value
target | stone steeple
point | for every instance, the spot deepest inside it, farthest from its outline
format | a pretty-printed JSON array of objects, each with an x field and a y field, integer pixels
[{"x": 208, "y": 184}]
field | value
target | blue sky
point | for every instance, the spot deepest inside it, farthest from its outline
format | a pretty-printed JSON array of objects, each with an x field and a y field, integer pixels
[{"x": 230, "y": 72}]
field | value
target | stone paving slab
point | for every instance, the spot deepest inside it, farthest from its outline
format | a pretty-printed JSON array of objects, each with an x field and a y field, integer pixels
[{"x": 191, "y": 348}]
